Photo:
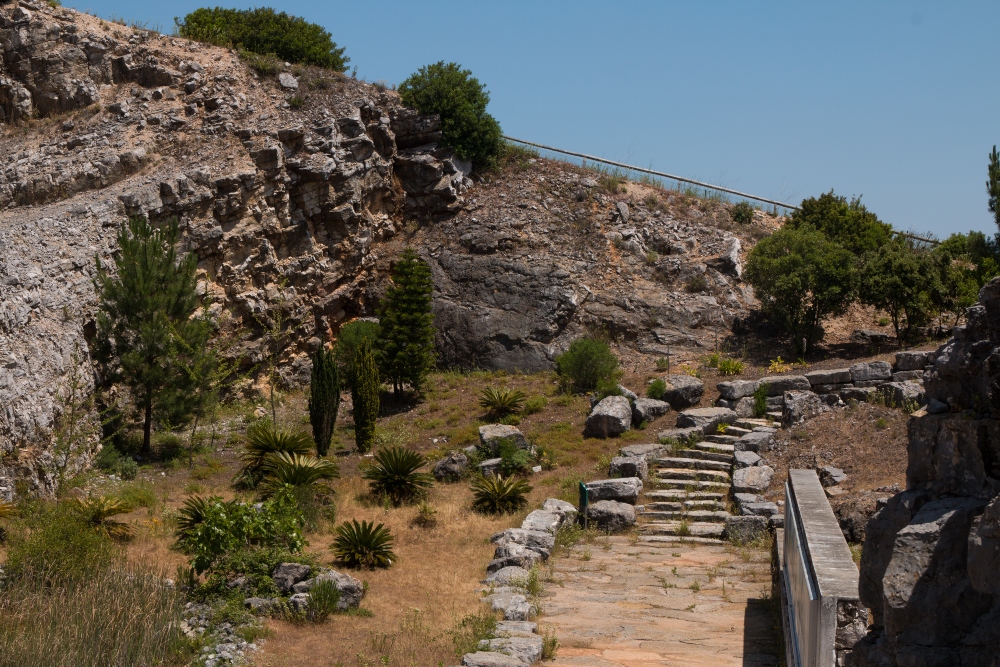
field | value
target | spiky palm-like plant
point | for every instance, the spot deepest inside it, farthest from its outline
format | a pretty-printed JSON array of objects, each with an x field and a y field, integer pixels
[
  {"x": 296, "y": 470},
  {"x": 499, "y": 495},
  {"x": 97, "y": 512},
  {"x": 394, "y": 475},
  {"x": 263, "y": 440},
  {"x": 501, "y": 401},
  {"x": 192, "y": 514},
  {"x": 363, "y": 544}
]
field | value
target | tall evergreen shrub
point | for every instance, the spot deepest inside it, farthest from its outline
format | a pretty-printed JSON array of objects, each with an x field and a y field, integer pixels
[
  {"x": 324, "y": 398},
  {"x": 365, "y": 394},
  {"x": 406, "y": 338}
]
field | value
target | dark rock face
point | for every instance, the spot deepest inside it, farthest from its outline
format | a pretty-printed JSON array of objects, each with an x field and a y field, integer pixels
[{"x": 932, "y": 553}]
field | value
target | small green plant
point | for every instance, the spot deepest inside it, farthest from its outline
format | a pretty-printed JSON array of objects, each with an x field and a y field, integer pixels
[
  {"x": 586, "y": 365},
  {"x": 881, "y": 424},
  {"x": 97, "y": 511},
  {"x": 778, "y": 365},
  {"x": 550, "y": 644},
  {"x": 651, "y": 258},
  {"x": 513, "y": 459},
  {"x": 363, "y": 545},
  {"x": 711, "y": 360},
  {"x": 696, "y": 284},
  {"x": 741, "y": 212},
  {"x": 683, "y": 529},
  {"x": 472, "y": 630},
  {"x": 534, "y": 405},
  {"x": 264, "y": 64},
  {"x": 721, "y": 429},
  {"x": 695, "y": 586},
  {"x": 263, "y": 441},
  {"x": 498, "y": 494},
  {"x": 138, "y": 494},
  {"x": 760, "y": 399},
  {"x": 426, "y": 516},
  {"x": 501, "y": 401},
  {"x": 324, "y": 598},
  {"x": 296, "y": 102},
  {"x": 662, "y": 364},
  {"x": 884, "y": 321},
  {"x": 730, "y": 366},
  {"x": 657, "y": 389},
  {"x": 394, "y": 475}
]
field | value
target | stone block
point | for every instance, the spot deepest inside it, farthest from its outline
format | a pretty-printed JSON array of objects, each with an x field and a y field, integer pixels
[
  {"x": 912, "y": 361},
  {"x": 490, "y": 436},
  {"x": 648, "y": 409},
  {"x": 629, "y": 466},
  {"x": 625, "y": 490},
  {"x": 736, "y": 389},
  {"x": 777, "y": 385},
  {"x": 755, "y": 479},
  {"x": 706, "y": 419},
  {"x": 683, "y": 391},
  {"x": 801, "y": 405},
  {"x": 831, "y": 376},
  {"x": 745, "y": 459},
  {"x": 871, "y": 371},
  {"x": 611, "y": 515},
  {"x": 611, "y": 417},
  {"x": 744, "y": 529}
]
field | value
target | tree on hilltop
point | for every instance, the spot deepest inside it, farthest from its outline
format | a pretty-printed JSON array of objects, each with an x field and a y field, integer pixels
[{"x": 845, "y": 222}]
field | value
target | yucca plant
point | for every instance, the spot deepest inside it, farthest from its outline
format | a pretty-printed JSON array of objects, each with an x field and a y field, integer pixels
[
  {"x": 97, "y": 513},
  {"x": 501, "y": 401},
  {"x": 394, "y": 475},
  {"x": 192, "y": 514},
  {"x": 363, "y": 544},
  {"x": 263, "y": 440},
  {"x": 297, "y": 470},
  {"x": 499, "y": 495}
]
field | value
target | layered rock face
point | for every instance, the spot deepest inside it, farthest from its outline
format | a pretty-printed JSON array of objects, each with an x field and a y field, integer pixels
[{"x": 932, "y": 553}]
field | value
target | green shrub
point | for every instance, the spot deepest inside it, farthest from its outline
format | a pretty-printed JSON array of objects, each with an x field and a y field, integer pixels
[
  {"x": 472, "y": 630},
  {"x": 696, "y": 284},
  {"x": 394, "y": 475},
  {"x": 96, "y": 512},
  {"x": 138, "y": 494},
  {"x": 111, "y": 461},
  {"x": 283, "y": 470},
  {"x": 760, "y": 399},
  {"x": 742, "y": 213},
  {"x": 587, "y": 363},
  {"x": 264, "y": 64},
  {"x": 348, "y": 341},
  {"x": 324, "y": 597},
  {"x": 254, "y": 565},
  {"x": 501, "y": 401},
  {"x": 127, "y": 468},
  {"x": 513, "y": 459},
  {"x": 263, "y": 441},
  {"x": 499, "y": 495},
  {"x": 730, "y": 366},
  {"x": 365, "y": 396},
  {"x": 209, "y": 530},
  {"x": 657, "y": 389},
  {"x": 264, "y": 31},
  {"x": 324, "y": 398},
  {"x": 461, "y": 101},
  {"x": 534, "y": 405},
  {"x": 363, "y": 545},
  {"x": 296, "y": 102}
]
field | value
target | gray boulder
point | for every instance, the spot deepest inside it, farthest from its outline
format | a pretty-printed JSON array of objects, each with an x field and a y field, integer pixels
[
  {"x": 755, "y": 441},
  {"x": 611, "y": 417},
  {"x": 777, "y": 385},
  {"x": 611, "y": 515},
  {"x": 828, "y": 377},
  {"x": 625, "y": 490},
  {"x": 286, "y": 575},
  {"x": 287, "y": 81},
  {"x": 629, "y": 466},
  {"x": 491, "y": 659},
  {"x": 535, "y": 539},
  {"x": 513, "y": 606},
  {"x": 912, "y": 361},
  {"x": 903, "y": 393},
  {"x": 830, "y": 476},
  {"x": 648, "y": 450},
  {"x": 516, "y": 577},
  {"x": 737, "y": 389},
  {"x": 744, "y": 407},
  {"x": 261, "y": 605},
  {"x": 351, "y": 590},
  {"x": 544, "y": 521},
  {"x": 490, "y": 436},
  {"x": 678, "y": 434},
  {"x": 526, "y": 648},
  {"x": 755, "y": 479},
  {"x": 648, "y": 409},
  {"x": 299, "y": 602},
  {"x": 627, "y": 393},
  {"x": 744, "y": 529},
  {"x": 745, "y": 459},
  {"x": 705, "y": 419},
  {"x": 869, "y": 372},
  {"x": 451, "y": 467},
  {"x": 802, "y": 405},
  {"x": 490, "y": 467},
  {"x": 869, "y": 337},
  {"x": 683, "y": 391}
]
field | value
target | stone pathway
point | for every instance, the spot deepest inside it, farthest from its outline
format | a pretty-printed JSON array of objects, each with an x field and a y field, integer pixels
[{"x": 619, "y": 602}]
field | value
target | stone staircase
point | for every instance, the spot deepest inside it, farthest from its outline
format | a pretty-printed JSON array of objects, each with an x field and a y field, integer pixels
[{"x": 688, "y": 492}]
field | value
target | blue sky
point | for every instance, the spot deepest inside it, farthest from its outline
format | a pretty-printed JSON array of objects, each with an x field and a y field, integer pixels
[{"x": 895, "y": 101}]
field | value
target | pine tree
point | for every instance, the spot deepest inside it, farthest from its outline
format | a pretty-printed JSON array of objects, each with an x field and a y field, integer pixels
[
  {"x": 324, "y": 398},
  {"x": 406, "y": 339},
  {"x": 143, "y": 311},
  {"x": 365, "y": 395},
  {"x": 993, "y": 185}
]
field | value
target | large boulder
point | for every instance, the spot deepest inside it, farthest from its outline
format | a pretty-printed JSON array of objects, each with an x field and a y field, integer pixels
[
  {"x": 913, "y": 361},
  {"x": 629, "y": 466},
  {"x": 737, "y": 389},
  {"x": 755, "y": 441},
  {"x": 611, "y": 515},
  {"x": 744, "y": 529},
  {"x": 777, "y": 385},
  {"x": 648, "y": 409},
  {"x": 611, "y": 417},
  {"x": 286, "y": 575},
  {"x": 802, "y": 405},
  {"x": 706, "y": 420},
  {"x": 907, "y": 393},
  {"x": 351, "y": 590},
  {"x": 568, "y": 510},
  {"x": 451, "y": 468},
  {"x": 827, "y": 377},
  {"x": 538, "y": 540},
  {"x": 869, "y": 373},
  {"x": 544, "y": 520},
  {"x": 491, "y": 435},
  {"x": 755, "y": 479},
  {"x": 625, "y": 489},
  {"x": 683, "y": 391}
]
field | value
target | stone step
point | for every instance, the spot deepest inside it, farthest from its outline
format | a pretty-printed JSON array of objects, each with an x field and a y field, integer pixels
[
  {"x": 721, "y": 439},
  {"x": 679, "y": 495},
  {"x": 684, "y": 506},
  {"x": 752, "y": 423},
  {"x": 666, "y": 474},
  {"x": 696, "y": 529},
  {"x": 694, "y": 516},
  {"x": 703, "y": 455},
  {"x": 715, "y": 447},
  {"x": 691, "y": 486},
  {"x": 776, "y": 416},
  {"x": 677, "y": 539},
  {"x": 693, "y": 464},
  {"x": 737, "y": 431}
]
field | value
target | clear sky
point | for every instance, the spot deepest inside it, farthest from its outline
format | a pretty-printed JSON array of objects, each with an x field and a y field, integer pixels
[{"x": 895, "y": 101}]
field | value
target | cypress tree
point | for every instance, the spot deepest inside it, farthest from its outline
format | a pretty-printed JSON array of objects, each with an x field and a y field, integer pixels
[
  {"x": 364, "y": 393},
  {"x": 145, "y": 324},
  {"x": 406, "y": 338},
  {"x": 324, "y": 398}
]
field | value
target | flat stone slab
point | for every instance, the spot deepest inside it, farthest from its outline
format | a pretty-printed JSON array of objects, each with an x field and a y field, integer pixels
[
  {"x": 647, "y": 449},
  {"x": 527, "y": 649},
  {"x": 544, "y": 521},
  {"x": 624, "y": 489},
  {"x": 490, "y": 659},
  {"x": 737, "y": 389},
  {"x": 752, "y": 480},
  {"x": 706, "y": 419},
  {"x": 777, "y": 385}
]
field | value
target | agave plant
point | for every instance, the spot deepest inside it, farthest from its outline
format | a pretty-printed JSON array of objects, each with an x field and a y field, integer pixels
[
  {"x": 295, "y": 470},
  {"x": 363, "y": 544},
  {"x": 394, "y": 475},
  {"x": 97, "y": 513},
  {"x": 501, "y": 401},
  {"x": 498, "y": 495},
  {"x": 263, "y": 440}
]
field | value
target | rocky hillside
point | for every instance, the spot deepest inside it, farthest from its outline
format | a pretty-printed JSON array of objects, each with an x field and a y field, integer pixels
[{"x": 296, "y": 192}]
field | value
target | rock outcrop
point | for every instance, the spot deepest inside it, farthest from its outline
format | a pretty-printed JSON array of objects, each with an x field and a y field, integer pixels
[{"x": 931, "y": 553}]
